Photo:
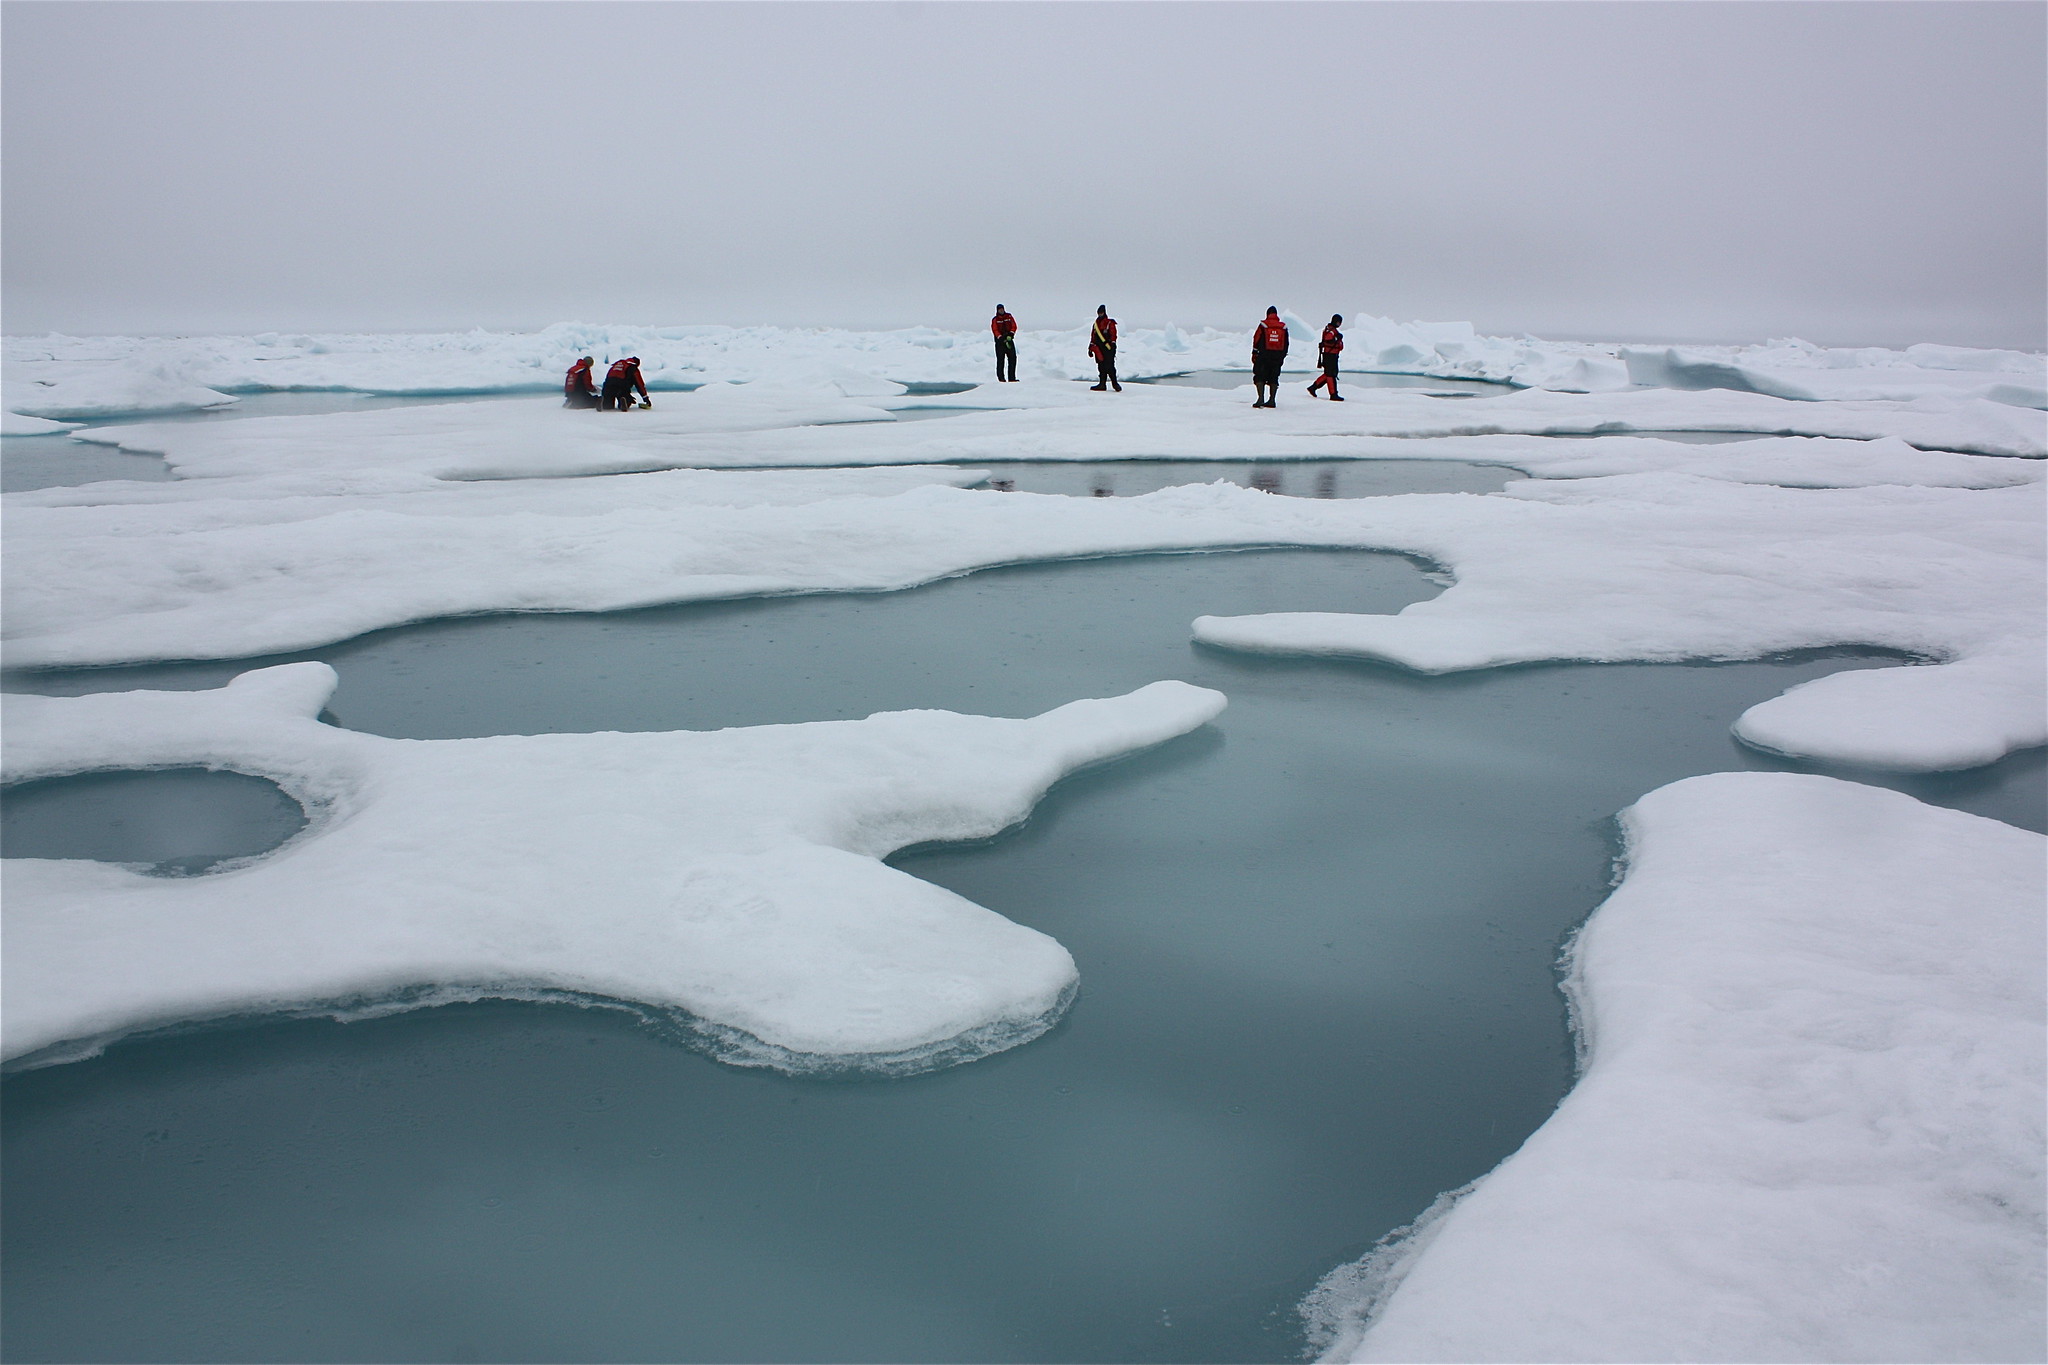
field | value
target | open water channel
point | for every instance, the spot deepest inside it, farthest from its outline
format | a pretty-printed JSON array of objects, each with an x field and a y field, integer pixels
[{"x": 1316, "y": 941}]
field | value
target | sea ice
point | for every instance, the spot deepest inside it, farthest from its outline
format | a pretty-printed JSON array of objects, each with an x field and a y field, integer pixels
[
  {"x": 56, "y": 376},
  {"x": 14, "y": 424},
  {"x": 1657, "y": 566},
  {"x": 1809, "y": 1124},
  {"x": 730, "y": 880}
]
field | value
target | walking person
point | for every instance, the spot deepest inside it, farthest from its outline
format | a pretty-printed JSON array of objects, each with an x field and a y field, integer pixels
[
  {"x": 1005, "y": 329},
  {"x": 1102, "y": 345},
  {"x": 1269, "y": 349},
  {"x": 578, "y": 389},
  {"x": 619, "y": 382},
  {"x": 1327, "y": 351}
]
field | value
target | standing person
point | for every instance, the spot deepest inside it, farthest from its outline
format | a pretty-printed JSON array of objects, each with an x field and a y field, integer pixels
[
  {"x": 1269, "y": 349},
  {"x": 578, "y": 389},
  {"x": 1327, "y": 351},
  {"x": 1102, "y": 345},
  {"x": 619, "y": 382},
  {"x": 1005, "y": 328}
]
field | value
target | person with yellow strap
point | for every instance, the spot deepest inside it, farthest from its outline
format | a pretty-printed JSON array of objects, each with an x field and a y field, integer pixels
[{"x": 1102, "y": 345}]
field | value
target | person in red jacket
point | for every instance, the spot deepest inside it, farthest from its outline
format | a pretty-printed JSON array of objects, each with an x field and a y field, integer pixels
[
  {"x": 1269, "y": 349},
  {"x": 619, "y": 382},
  {"x": 1005, "y": 329},
  {"x": 1327, "y": 351},
  {"x": 1102, "y": 345},
  {"x": 578, "y": 389}
]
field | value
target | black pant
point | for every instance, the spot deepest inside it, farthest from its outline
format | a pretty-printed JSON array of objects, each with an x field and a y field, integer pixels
[
  {"x": 1105, "y": 364},
  {"x": 1266, "y": 367},
  {"x": 580, "y": 398},
  {"x": 1006, "y": 354},
  {"x": 617, "y": 396}
]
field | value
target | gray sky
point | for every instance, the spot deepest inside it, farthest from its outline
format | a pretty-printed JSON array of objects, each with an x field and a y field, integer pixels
[{"x": 1848, "y": 172}]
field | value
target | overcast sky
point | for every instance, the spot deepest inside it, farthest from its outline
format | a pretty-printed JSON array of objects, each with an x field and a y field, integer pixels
[{"x": 1848, "y": 172}]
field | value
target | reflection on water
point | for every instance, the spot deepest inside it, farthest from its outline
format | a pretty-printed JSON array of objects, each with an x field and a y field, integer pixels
[
  {"x": 1316, "y": 943},
  {"x": 1294, "y": 478},
  {"x": 28, "y": 462}
]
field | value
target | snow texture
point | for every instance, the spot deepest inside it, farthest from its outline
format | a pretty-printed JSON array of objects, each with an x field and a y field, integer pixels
[
  {"x": 729, "y": 882},
  {"x": 1809, "y": 1122}
]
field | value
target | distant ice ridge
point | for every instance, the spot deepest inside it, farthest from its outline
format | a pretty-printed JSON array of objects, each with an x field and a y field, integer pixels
[
  {"x": 728, "y": 883},
  {"x": 1799, "y": 369},
  {"x": 1809, "y": 1123},
  {"x": 95, "y": 378}
]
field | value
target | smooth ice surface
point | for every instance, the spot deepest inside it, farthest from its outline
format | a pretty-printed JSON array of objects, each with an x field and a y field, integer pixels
[
  {"x": 1315, "y": 942},
  {"x": 1810, "y": 1121},
  {"x": 733, "y": 876}
]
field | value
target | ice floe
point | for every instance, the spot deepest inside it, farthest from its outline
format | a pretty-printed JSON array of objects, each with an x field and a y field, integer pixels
[
  {"x": 1671, "y": 567},
  {"x": 1809, "y": 1124},
  {"x": 14, "y": 424},
  {"x": 728, "y": 881}
]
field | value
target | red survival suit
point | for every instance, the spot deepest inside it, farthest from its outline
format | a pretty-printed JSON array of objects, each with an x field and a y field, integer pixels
[
  {"x": 1327, "y": 351},
  {"x": 619, "y": 382},
  {"x": 578, "y": 389},
  {"x": 1004, "y": 328},
  {"x": 1102, "y": 346}
]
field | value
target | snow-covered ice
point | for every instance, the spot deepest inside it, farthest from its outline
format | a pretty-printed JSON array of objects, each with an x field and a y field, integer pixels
[
  {"x": 297, "y": 536},
  {"x": 730, "y": 426},
  {"x": 1661, "y": 566},
  {"x": 1809, "y": 1124},
  {"x": 1799, "y": 369},
  {"x": 14, "y": 424},
  {"x": 733, "y": 876},
  {"x": 90, "y": 378}
]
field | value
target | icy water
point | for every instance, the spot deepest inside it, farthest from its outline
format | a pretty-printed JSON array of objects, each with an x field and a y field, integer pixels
[
  {"x": 1291, "y": 478},
  {"x": 1316, "y": 944},
  {"x": 174, "y": 821},
  {"x": 28, "y": 462}
]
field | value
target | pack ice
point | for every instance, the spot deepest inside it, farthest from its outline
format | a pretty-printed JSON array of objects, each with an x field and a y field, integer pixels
[{"x": 730, "y": 882}]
